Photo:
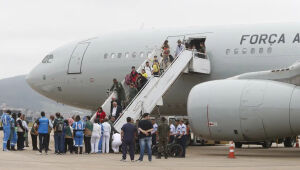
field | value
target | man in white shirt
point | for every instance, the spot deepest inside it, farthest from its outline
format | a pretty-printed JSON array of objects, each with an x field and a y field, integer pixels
[
  {"x": 179, "y": 48},
  {"x": 106, "y": 136},
  {"x": 172, "y": 132},
  {"x": 153, "y": 132},
  {"x": 148, "y": 70},
  {"x": 116, "y": 142},
  {"x": 182, "y": 136}
]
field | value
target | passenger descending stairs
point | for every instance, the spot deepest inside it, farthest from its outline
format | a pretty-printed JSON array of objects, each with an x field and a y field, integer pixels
[{"x": 152, "y": 92}]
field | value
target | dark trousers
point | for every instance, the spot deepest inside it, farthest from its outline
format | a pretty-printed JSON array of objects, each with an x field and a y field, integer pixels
[
  {"x": 48, "y": 140},
  {"x": 8, "y": 145},
  {"x": 154, "y": 139},
  {"x": 129, "y": 144},
  {"x": 87, "y": 144},
  {"x": 43, "y": 140},
  {"x": 34, "y": 142},
  {"x": 162, "y": 147},
  {"x": 20, "y": 141},
  {"x": 172, "y": 139},
  {"x": 69, "y": 145},
  {"x": 59, "y": 141},
  {"x": 182, "y": 142}
]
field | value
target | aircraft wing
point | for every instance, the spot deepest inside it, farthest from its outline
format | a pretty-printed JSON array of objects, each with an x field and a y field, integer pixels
[{"x": 289, "y": 75}]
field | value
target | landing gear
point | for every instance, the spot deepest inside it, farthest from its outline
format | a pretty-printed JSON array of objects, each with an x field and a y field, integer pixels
[
  {"x": 289, "y": 141},
  {"x": 267, "y": 144}
]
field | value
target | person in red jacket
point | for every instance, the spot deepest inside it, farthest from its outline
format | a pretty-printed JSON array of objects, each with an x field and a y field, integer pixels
[
  {"x": 100, "y": 114},
  {"x": 133, "y": 75}
]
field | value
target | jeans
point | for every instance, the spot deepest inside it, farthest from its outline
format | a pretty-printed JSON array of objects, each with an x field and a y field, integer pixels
[
  {"x": 59, "y": 142},
  {"x": 147, "y": 141}
]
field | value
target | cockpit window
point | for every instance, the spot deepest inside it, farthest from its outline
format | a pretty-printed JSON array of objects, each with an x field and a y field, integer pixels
[{"x": 48, "y": 59}]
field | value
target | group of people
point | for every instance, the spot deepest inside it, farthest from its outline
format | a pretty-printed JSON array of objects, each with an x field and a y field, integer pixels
[{"x": 15, "y": 131}]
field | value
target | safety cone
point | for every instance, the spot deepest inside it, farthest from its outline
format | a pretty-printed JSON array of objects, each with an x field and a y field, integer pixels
[
  {"x": 297, "y": 142},
  {"x": 231, "y": 150}
]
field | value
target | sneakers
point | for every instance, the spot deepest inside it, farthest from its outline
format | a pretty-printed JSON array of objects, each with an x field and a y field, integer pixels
[
  {"x": 138, "y": 160},
  {"x": 39, "y": 153},
  {"x": 123, "y": 160}
]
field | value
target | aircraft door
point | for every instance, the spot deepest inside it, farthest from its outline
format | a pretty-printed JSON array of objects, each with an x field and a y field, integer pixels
[
  {"x": 251, "y": 121},
  {"x": 76, "y": 58}
]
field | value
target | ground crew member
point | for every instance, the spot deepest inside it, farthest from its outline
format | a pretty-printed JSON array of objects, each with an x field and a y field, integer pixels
[
  {"x": 128, "y": 133},
  {"x": 182, "y": 136},
  {"x": 6, "y": 128},
  {"x": 13, "y": 134},
  {"x": 163, "y": 132},
  {"x": 43, "y": 125},
  {"x": 154, "y": 131},
  {"x": 172, "y": 133},
  {"x": 78, "y": 128}
]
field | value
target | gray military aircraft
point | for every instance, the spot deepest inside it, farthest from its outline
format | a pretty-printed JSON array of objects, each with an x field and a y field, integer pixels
[{"x": 249, "y": 94}]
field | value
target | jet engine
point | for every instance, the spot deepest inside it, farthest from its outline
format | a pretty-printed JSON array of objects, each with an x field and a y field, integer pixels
[{"x": 244, "y": 110}]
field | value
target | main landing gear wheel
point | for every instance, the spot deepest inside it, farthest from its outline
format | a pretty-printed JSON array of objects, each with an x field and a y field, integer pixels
[{"x": 175, "y": 150}]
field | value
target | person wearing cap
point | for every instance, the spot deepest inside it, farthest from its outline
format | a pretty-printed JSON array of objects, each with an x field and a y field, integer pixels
[{"x": 179, "y": 48}]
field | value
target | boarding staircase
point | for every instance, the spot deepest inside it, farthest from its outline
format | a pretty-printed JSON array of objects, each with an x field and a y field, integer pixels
[{"x": 151, "y": 94}]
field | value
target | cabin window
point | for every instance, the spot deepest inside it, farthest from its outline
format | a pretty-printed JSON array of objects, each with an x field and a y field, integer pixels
[
  {"x": 119, "y": 55},
  {"x": 227, "y": 51},
  {"x": 269, "y": 50},
  {"x": 127, "y": 54},
  {"x": 261, "y": 50},
  {"x": 113, "y": 55},
  {"x": 236, "y": 51},
  {"x": 244, "y": 51},
  {"x": 105, "y": 56},
  {"x": 141, "y": 54},
  {"x": 149, "y": 54},
  {"x": 133, "y": 54},
  {"x": 252, "y": 50}
]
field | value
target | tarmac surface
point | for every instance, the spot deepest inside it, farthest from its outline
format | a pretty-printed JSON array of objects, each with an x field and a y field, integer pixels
[{"x": 198, "y": 157}]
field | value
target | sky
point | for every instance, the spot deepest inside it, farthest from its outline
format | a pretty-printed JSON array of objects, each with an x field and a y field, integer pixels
[{"x": 30, "y": 29}]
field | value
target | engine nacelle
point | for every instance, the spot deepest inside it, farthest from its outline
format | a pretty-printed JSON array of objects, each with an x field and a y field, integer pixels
[{"x": 244, "y": 110}]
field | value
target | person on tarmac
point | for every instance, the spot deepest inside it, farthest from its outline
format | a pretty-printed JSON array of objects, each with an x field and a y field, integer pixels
[
  {"x": 182, "y": 136},
  {"x": 106, "y": 136},
  {"x": 145, "y": 127},
  {"x": 78, "y": 128},
  {"x": 163, "y": 132},
  {"x": 13, "y": 134},
  {"x": 6, "y": 128},
  {"x": 43, "y": 125},
  {"x": 96, "y": 135},
  {"x": 172, "y": 133}
]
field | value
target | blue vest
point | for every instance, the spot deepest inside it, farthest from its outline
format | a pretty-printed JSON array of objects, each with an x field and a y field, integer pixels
[
  {"x": 43, "y": 125},
  {"x": 5, "y": 120},
  {"x": 78, "y": 127}
]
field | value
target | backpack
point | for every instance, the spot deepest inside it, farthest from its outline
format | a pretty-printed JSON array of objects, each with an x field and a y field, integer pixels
[
  {"x": 60, "y": 125},
  {"x": 171, "y": 58}
]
